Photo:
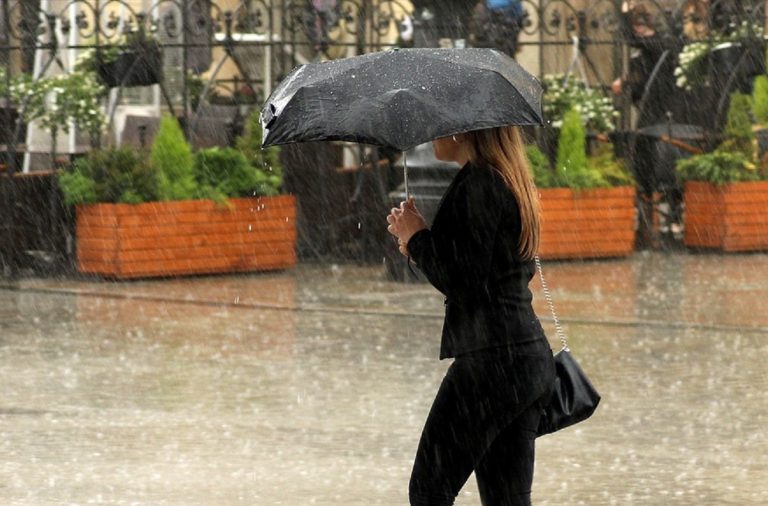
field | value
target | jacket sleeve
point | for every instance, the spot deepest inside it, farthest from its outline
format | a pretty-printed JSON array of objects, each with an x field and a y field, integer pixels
[{"x": 456, "y": 254}]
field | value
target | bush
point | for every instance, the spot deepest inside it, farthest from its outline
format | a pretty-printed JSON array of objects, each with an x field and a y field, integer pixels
[
  {"x": 225, "y": 172},
  {"x": 735, "y": 158},
  {"x": 109, "y": 175},
  {"x": 538, "y": 162},
  {"x": 612, "y": 171},
  {"x": 760, "y": 100},
  {"x": 77, "y": 188},
  {"x": 171, "y": 159},
  {"x": 172, "y": 172},
  {"x": 266, "y": 162},
  {"x": 718, "y": 167},
  {"x": 738, "y": 129},
  {"x": 571, "y": 168}
]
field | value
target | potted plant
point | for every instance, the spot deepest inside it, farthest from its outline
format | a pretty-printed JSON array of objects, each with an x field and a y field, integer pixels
[
  {"x": 587, "y": 202},
  {"x": 58, "y": 103},
  {"x": 725, "y": 190},
  {"x": 134, "y": 60},
  {"x": 719, "y": 54},
  {"x": 564, "y": 93},
  {"x": 173, "y": 212}
]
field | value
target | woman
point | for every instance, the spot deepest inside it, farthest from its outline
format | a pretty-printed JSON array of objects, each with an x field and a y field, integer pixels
[{"x": 479, "y": 253}]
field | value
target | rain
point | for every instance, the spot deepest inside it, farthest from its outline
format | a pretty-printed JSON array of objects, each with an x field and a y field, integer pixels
[{"x": 192, "y": 315}]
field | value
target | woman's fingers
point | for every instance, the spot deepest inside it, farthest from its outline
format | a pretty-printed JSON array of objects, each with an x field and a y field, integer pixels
[{"x": 408, "y": 204}]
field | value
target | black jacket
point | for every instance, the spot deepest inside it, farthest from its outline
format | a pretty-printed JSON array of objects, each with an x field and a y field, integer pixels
[{"x": 471, "y": 255}]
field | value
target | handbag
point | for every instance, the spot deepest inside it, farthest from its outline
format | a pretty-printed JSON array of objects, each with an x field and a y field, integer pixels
[{"x": 574, "y": 398}]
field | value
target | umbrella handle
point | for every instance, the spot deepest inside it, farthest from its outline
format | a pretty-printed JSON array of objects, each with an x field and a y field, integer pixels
[
  {"x": 682, "y": 145},
  {"x": 405, "y": 175}
]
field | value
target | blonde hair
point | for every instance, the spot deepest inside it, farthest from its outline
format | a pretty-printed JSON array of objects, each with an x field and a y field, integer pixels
[{"x": 504, "y": 150}]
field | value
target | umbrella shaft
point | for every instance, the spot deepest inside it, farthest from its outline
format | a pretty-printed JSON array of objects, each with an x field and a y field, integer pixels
[{"x": 405, "y": 175}]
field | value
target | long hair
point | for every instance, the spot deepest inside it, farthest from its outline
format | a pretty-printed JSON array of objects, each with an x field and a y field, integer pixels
[{"x": 503, "y": 149}]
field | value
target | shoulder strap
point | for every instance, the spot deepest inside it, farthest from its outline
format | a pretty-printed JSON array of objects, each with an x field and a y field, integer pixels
[{"x": 558, "y": 328}]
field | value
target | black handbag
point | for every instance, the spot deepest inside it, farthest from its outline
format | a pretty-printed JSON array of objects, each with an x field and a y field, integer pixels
[{"x": 574, "y": 398}]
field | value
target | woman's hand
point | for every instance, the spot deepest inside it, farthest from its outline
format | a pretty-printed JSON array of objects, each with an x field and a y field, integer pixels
[{"x": 404, "y": 221}]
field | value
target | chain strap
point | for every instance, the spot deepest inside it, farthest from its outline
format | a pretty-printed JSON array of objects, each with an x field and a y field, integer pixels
[{"x": 558, "y": 328}]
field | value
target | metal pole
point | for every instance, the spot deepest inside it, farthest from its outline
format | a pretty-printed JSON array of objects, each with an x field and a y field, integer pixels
[
  {"x": 405, "y": 175},
  {"x": 184, "y": 65}
]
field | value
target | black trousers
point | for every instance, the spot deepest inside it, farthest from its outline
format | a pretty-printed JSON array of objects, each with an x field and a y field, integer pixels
[{"x": 484, "y": 419}]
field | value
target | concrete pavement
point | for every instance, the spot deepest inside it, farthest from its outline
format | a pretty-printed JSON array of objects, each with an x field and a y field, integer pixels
[{"x": 310, "y": 386}]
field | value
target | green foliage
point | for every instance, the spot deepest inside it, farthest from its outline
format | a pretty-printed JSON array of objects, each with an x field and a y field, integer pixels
[
  {"x": 738, "y": 130},
  {"x": 612, "y": 171},
  {"x": 75, "y": 96},
  {"x": 265, "y": 162},
  {"x": 77, "y": 188},
  {"x": 600, "y": 170},
  {"x": 543, "y": 175},
  {"x": 57, "y": 100},
  {"x": 226, "y": 172},
  {"x": 735, "y": 159},
  {"x": 718, "y": 167},
  {"x": 172, "y": 172},
  {"x": 571, "y": 167},
  {"x": 109, "y": 175},
  {"x": 172, "y": 160},
  {"x": 760, "y": 100}
]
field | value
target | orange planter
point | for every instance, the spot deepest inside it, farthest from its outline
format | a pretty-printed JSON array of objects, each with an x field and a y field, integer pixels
[
  {"x": 587, "y": 224},
  {"x": 186, "y": 237},
  {"x": 731, "y": 217}
]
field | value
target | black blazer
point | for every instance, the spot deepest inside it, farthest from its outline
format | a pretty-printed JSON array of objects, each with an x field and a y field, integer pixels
[{"x": 471, "y": 255}]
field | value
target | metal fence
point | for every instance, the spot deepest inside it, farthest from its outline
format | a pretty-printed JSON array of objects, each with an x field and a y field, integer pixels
[{"x": 221, "y": 58}]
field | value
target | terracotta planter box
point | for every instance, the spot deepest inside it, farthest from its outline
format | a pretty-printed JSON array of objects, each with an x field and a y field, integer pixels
[
  {"x": 731, "y": 217},
  {"x": 186, "y": 237},
  {"x": 587, "y": 224}
]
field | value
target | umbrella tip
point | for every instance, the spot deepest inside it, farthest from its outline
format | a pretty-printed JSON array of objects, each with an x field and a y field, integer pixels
[{"x": 268, "y": 116}]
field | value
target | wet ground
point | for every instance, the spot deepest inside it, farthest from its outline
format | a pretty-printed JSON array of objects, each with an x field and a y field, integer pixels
[{"x": 310, "y": 386}]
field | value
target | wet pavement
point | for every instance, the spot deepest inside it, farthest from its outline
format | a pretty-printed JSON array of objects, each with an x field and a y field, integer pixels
[{"x": 310, "y": 386}]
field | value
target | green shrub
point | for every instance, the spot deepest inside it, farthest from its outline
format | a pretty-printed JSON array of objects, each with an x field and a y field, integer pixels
[
  {"x": 77, "y": 188},
  {"x": 611, "y": 170},
  {"x": 538, "y": 162},
  {"x": 109, "y": 175},
  {"x": 226, "y": 172},
  {"x": 172, "y": 160},
  {"x": 571, "y": 167},
  {"x": 760, "y": 100},
  {"x": 266, "y": 162},
  {"x": 739, "y": 137},
  {"x": 173, "y": 172},
  {"x": 735, "y": 158},
  {"x": 718, "y": 167}
]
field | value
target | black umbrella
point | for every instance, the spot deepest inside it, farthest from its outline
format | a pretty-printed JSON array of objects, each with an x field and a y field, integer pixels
[{"x": 401, "y": 98}]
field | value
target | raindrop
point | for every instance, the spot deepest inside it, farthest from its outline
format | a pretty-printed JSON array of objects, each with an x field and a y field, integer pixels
[{"x": 250, "y": 228}]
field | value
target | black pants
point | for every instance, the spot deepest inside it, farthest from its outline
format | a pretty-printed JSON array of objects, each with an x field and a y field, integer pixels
[{"x": 484, "y": 419}]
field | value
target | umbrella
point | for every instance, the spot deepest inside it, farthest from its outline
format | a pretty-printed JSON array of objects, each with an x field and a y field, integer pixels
[{"x": 401, "y": 98}]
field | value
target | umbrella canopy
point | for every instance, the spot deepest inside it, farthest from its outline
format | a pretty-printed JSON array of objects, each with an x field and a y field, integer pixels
[{"x": 401, "y": 98}]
